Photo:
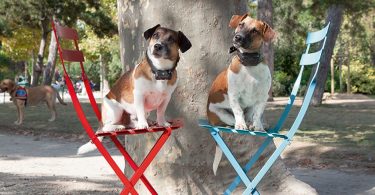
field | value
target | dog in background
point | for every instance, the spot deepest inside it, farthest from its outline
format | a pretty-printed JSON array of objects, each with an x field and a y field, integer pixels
[
  {"x": 239, "y": 94},
  {"x": 35, "y": 95},
  {"x": 147, "y": 87}
]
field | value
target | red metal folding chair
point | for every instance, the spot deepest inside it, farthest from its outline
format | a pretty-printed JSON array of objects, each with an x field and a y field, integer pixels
[{"x": 77, "y": 56}]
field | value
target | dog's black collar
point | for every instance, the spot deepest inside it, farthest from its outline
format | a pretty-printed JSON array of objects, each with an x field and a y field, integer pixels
[
  {"x": 247, "y": 59},
  {"x": 161, "y": 74}
]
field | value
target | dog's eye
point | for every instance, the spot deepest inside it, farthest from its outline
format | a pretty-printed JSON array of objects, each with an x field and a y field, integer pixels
[
  {"x": 155, "y": 35},
  {"x": 241, "y": 25},
  {"x": 170, "y": 39},
  {"x": 254, "y": 31}
]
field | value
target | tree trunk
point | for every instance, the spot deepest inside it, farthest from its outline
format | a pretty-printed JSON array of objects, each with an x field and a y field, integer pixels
[
  {"x": 130, "y": 36},
  {"x": 264, "y": 13},
  {"x": 332, "y": 78},
  {"x": 49, "y": 70},
  {"x": 38, "y": 66},
  {"x": 184, "y": 165},
  {"x": 104, "y": 84},
  {"x": 348, "y": 85},
  {"x": 340, "y": 77},
  {"x": 334, "y": 15}
]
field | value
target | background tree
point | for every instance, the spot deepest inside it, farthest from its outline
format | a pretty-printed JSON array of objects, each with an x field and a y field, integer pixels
[
  {"x": 335, "y": 13},
  {"x": 334, "y": 17},
  {"x": 36, "y": 14},
  {"x": 187, "y": 160},
  {"x": 19, "y": 49}
]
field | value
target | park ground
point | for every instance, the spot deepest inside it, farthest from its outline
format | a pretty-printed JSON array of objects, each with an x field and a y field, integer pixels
[{"x": 334, "y": 151}]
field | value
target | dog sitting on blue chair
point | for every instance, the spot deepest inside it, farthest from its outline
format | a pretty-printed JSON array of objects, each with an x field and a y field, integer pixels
[{"x": 239, "y": 94}]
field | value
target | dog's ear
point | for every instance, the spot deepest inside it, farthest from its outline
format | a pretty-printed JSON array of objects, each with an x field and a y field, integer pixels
[
  {"x": 268, "y": 33},
  {"x": 236, "y": 19},
  {"x": 183, "y": 42},
  {"x": 148, "y": 33}
]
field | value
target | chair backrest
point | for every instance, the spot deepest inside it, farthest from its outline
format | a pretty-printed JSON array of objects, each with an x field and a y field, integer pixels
[
  {"x": 68, "y": 34},
  {"x": 73, "y": 56},
  {"x": 306, "y": 59}
]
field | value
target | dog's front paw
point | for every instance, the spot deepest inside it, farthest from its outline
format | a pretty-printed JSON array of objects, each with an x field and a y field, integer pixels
[
  {"x": 240, "y": 126},
  {"x": 17, "y": 123},
  {"x": 142, "y": 125},
  {"x": 110, "y": 127},
  {"x": 164, "y": 124},
  {"x": 258, "y": 127}
]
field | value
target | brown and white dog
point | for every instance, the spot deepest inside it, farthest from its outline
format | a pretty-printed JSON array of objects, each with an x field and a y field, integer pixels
[
  {"x": 239, "y": 94},
  {"x": 145, "y": 88},
  {"x": 35, "y": 95}
]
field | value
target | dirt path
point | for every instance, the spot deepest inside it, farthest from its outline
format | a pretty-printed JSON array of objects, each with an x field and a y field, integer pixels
[{"x": 30, "y": 165}]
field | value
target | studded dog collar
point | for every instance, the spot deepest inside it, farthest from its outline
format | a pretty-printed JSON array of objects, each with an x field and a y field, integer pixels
[
  {"x": 247, "y": 59},
  {"x": 161, "y": 74}
]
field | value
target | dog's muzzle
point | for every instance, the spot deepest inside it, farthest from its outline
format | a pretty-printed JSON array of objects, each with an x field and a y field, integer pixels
[
  {"x": 160, "y": 50},
  {"x": 241, "y": 40}
]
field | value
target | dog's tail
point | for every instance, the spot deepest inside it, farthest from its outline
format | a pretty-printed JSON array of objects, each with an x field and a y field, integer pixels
[
  {"x": 59, "y": 98},
  {"x": 217, "y": 158},
  {"x": 87, "y": 147},
  {"x": 90, "y": 146}
]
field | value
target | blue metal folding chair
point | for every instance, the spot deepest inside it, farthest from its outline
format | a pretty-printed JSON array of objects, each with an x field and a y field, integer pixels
[{"x": 306, "y": 59}]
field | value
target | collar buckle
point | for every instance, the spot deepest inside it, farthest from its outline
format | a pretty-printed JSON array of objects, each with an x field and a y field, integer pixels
[{"x": 162, "y": 74}]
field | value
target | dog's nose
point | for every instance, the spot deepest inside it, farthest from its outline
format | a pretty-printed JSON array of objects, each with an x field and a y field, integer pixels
[
  {"x": 158, "y": 47},
  {"x": 238, "y": 38}
]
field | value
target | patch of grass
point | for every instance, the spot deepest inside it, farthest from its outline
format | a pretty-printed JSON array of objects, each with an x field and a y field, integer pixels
[
  {"x": 342, "y": 125},
  {"x": 36, "y": 119}
]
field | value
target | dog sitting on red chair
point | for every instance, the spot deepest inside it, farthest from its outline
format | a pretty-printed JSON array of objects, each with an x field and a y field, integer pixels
[{"x": 147, "y": 87}]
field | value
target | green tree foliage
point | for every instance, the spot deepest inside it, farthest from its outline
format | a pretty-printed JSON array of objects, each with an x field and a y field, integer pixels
[
  {"x": 5, "y": 67},
  {"x": 36, "y": 15},
  {"x": 362, "y": 78},
  {"x": 292, "y": 19}
]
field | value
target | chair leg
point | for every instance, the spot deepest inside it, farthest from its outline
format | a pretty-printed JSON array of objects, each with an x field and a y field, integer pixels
[
  {"x": 237, "y": 167},
  {"x": 147, "y": 161},
  {"x": 114, "y": 166},
  {"x": 248, "y": 166},
  {"x": 132, "y": 164},
  {"x": 270, "y": 161}
]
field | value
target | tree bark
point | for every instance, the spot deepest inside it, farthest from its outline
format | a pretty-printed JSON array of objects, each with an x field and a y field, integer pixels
[
  {"x": 130, "y": 36},
  {"x": 332, "y": 78},
  {"x": 340, "y": 77},
  {"x": 334, "y": 15},
  {"x": 49, "y": 70},
  {"x": 184, "y": 165},
  {"x": 104, "y": 84},
  {"x": 264, "y": 13},
  {"x": 348, "y": 82},
  {"x": 38, "y": 66}
]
